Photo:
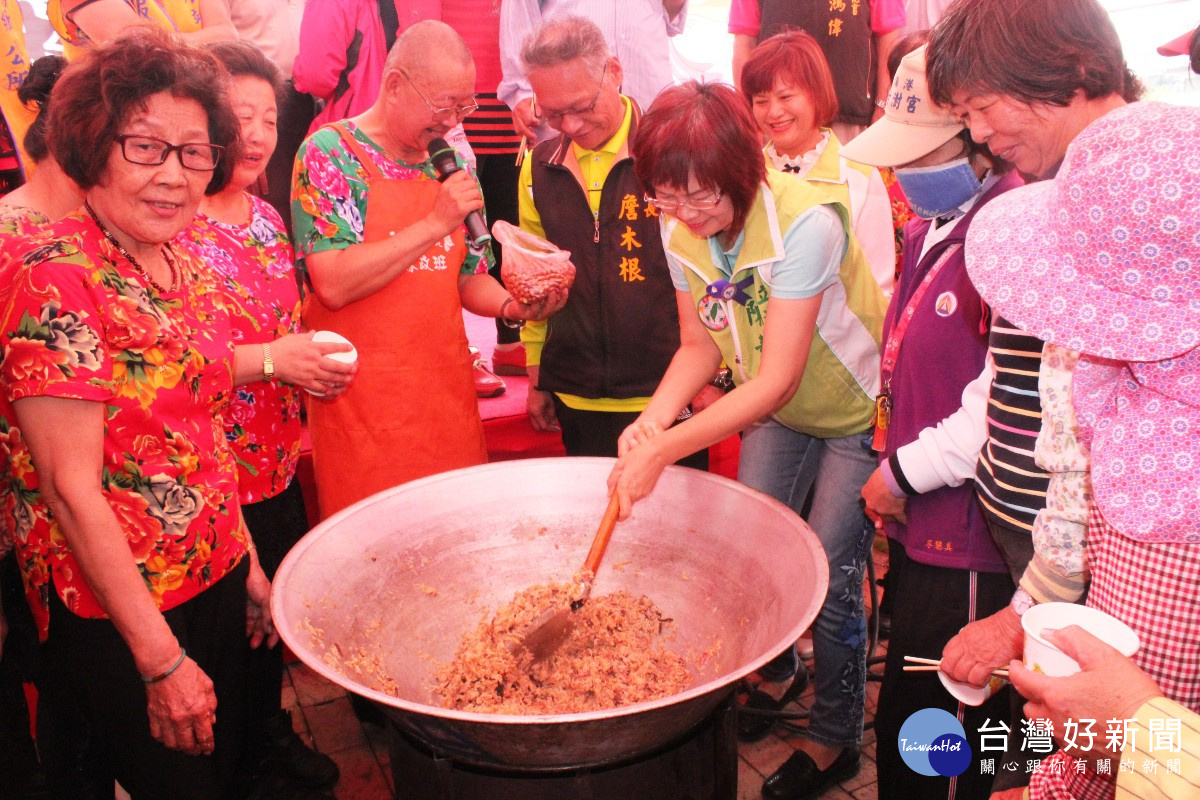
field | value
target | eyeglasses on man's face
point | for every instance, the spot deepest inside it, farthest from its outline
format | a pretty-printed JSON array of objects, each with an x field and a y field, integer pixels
[
  {"x": 149, "y": 151},
  {"x": 555, "y": 118},
  {"x": 672, "y": 205},
  {"x": 456, "y": 111}
]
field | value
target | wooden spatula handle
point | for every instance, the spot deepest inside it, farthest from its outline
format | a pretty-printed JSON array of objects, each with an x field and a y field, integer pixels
[{"x": 600, "y": 543}]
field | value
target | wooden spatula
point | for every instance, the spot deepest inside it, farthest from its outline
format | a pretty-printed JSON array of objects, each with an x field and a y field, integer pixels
[{"x": 553, "y": 626}]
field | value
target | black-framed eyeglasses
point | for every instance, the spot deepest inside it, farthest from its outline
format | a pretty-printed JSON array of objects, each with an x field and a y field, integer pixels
[
  {"x": 151, "y": 152},
  {"x": 695, "y": 204},
  {"x": 556, "y": 117},
  {"x": 458, "y": 111}
]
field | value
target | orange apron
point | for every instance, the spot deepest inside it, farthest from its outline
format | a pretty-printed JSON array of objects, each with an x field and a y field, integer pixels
[{"x": 411, "y": 410}]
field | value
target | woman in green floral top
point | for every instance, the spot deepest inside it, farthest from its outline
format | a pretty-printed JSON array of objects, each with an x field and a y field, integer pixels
[{"x": 117, "y": 365}]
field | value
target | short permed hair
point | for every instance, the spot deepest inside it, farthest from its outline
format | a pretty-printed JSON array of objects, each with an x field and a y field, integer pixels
[
  {"x": 244, "y": 59},
  {"x": 795, "y": 57},
  {"x": 1029, "y": 51},
  {"x": 105, "y": 86},
  {"x": 705, "y": 130},
  {"x": 564, "y": 39}
]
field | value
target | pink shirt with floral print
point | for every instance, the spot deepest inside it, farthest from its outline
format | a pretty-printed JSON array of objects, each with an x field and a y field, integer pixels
[
  {"x": 82, "y": 324},
  {"x": 255, "y": 264}
]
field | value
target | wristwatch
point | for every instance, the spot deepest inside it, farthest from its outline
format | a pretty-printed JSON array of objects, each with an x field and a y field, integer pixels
[
  {"x": 268, "y": 362},
  {"x": 1022, "y": 601}
]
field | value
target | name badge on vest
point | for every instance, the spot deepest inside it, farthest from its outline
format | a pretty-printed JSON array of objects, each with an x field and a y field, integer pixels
[
  {"x": 725, "y": 290},
  {"x": 712, "y": 313}
]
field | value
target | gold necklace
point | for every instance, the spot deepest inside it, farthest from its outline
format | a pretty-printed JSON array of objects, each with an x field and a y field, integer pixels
[{"x": 166, "y": 254}]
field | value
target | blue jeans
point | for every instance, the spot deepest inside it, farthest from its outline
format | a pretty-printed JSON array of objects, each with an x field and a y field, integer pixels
[{"x": 785, "y": 464}]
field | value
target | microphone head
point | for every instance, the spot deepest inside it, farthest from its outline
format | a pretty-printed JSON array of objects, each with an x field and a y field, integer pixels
[{"x": 441, "y": 155}]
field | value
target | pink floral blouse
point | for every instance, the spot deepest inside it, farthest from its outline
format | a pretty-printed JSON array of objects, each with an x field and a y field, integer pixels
[
  {"x": 254, "y": 263},
  {"x": 82, "y": 324}
]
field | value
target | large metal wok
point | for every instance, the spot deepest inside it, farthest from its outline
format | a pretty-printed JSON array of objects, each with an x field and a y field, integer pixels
[{"x": 379, "y": 595}]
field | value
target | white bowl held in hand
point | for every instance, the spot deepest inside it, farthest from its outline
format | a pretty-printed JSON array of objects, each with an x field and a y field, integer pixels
[
  {"x": 968, "y": 694},
  {"x": 345, "y": 356},
  {"x": 1042, "y": 656}
]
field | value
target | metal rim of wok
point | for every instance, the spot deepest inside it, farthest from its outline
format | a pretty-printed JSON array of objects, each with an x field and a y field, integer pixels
[{"x": 289, "y": 631}]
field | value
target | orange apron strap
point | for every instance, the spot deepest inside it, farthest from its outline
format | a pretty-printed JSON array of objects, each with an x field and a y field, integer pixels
[{"x": 357, "y": 150}]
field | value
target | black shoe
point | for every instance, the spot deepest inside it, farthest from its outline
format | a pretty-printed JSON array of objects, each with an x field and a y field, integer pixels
[
  {"x": 303, "y": 764},
  {"x": 799, "y": 778},
  {"x": 753, "y": 727}
]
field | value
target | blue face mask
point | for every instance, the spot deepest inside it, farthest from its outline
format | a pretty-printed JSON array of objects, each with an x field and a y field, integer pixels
[{"x": 935, "y": 191}]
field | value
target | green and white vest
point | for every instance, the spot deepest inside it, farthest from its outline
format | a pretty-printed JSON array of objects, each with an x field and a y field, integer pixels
[{"x": 841, "y": 379}]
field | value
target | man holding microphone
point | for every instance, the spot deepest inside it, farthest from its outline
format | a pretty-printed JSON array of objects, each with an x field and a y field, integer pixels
[{"x": 391, "y": 266}]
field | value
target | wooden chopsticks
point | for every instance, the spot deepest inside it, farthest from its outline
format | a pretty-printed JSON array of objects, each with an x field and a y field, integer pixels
[{"x": 933, "y": 665}]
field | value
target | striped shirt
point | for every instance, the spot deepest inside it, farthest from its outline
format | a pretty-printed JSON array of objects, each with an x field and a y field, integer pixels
[
  {"x": 1010, "y": 485},
  {"x": 490, "y": 129}
]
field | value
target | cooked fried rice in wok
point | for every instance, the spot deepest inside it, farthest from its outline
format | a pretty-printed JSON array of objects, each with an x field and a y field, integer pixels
[{"x": 611, "y": 658}]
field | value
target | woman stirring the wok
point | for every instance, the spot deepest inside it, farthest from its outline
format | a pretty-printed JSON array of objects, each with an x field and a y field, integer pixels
[
  {"x": 117, "y": 363},
  {"x": 737, "y": 236}
]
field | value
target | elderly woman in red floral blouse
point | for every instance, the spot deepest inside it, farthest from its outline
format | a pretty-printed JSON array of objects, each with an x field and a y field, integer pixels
[{"x": 121, "y": 491}]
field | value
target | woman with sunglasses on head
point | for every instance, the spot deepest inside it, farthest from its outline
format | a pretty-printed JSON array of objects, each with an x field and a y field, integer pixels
[
  {"x": 769, "y": 279},
  {"x": 122, "y": 493}
]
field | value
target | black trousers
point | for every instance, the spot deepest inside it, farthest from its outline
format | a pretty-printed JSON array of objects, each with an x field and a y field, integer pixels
[
  {"x": 18, "y": 758},
  {"x": 275, "y": 524},
  {"x": 92, "y": 723},
  {"x": 930, "y": 605},
  {"x": 595, "y": 433}
]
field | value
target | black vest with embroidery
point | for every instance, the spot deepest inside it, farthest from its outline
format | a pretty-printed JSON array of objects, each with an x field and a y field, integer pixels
[
  {"x": 843, "y": 29},
  {"x": 620, "y": 326}
]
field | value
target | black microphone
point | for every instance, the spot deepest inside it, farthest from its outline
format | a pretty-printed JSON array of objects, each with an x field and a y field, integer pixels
[{"x": 441, "y": 155}]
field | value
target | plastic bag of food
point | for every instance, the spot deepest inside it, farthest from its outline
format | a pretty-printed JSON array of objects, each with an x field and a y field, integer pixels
[{"x": 531, "y": 267}]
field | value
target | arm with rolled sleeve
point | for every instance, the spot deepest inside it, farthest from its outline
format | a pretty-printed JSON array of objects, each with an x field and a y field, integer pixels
[
  {"x": 1058, "y": 571},
  {"x": 675, "y": 15},
  {"x": 744, "y": 24},
  {"x": 517, "y": 19}
]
